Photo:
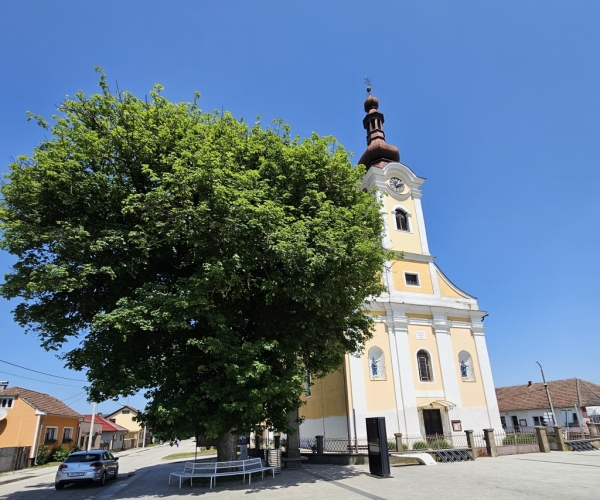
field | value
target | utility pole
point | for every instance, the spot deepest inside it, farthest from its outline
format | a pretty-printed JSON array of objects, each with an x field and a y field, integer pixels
[
  {"x": 548, "y": 394},
  {"x": 92, "y": 429}
]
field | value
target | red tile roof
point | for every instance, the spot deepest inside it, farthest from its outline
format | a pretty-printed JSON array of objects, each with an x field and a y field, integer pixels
[
  {"x": 107, "y": 426},
  {"x": 564, "y": 394},
  {"x": 43, "y": 402}
]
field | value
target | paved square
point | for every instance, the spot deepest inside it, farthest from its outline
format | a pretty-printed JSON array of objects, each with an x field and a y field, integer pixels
[{"x": 556, "y": 475}]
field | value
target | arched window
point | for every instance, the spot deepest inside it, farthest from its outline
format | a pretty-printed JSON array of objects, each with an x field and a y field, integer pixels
[
  {"x": 465, "y": 362},
  {"x": 376, "y": 364},
  {"x": 401, "y": 220},
  {"x": 424, "y": 364}
]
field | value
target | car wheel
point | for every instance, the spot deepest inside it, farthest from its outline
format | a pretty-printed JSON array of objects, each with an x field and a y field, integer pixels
[
  {"x": 102, "y": 480},
  {"x": 59, "y": 486},
  {"x": 116, "y": 474}
]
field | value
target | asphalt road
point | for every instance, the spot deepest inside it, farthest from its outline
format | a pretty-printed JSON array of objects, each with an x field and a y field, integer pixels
[{"x": 132, "y": 464}]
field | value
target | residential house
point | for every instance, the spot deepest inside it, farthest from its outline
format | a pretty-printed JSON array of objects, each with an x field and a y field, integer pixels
[
  {"x": 111, "y": 435},
  {"x": 34, "y": 418},
  {"x": 84, "y": 433},
  {"x": 575, "y": 402},
  {"x": 124, "y": 417}
]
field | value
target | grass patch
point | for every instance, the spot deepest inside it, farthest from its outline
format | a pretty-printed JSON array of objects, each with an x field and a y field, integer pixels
[
  {"x": 189, "y": 454},
  {"x": 49, "y": 464}
]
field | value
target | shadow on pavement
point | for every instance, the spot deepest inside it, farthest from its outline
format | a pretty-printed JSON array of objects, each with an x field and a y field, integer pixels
[{"x": 152, "y": 482}]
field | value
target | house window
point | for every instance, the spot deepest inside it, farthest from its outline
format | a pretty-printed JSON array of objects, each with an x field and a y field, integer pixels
[
  {"x": 465, "y": 363},
  {"x": 401, "y": 220},
  {"x": 376, "y": 364},
  {"x": 113, "y": 420},
  {"x": 67, "y": 434},
  {"x": 51, "y": 435},
  {"x": 411, "y": 279},
  {"x": 424, "y": 364},
  {"x": 307, "y": 384},
  {"x": 125, "y": 412},
  {"x": 6, "y": 402},
  {"x": 503, "y": 422}
]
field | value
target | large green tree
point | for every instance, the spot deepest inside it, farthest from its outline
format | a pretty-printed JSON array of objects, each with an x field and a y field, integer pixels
[{"x": 192, "y": 256}]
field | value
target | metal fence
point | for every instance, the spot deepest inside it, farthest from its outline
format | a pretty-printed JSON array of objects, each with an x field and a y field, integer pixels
[
  {"x": 434, "y": 442},
  {"x": 576, "y": 433},
  {"x": 515, "y": 436}
]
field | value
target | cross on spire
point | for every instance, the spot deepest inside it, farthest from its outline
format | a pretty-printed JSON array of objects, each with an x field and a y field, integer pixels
[{"x": 368, "y": 84}]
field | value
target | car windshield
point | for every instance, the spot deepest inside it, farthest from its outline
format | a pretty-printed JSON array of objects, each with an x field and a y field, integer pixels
[{"x": 84, "y": 457}]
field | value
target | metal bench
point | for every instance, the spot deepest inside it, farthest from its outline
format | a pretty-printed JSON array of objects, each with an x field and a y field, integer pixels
[{"x": 212, "y": 470}]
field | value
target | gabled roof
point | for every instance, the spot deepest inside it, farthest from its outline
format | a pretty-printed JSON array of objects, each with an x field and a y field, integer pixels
[
  {"x": 42, "y": 402},
  {"x": 123, "y": 407},
  {"x": 107, "y": 426},
  {"x": 564, "y": 394}
]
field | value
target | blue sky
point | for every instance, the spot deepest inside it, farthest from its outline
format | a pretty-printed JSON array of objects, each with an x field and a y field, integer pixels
[{"x": 495, "y": 103}]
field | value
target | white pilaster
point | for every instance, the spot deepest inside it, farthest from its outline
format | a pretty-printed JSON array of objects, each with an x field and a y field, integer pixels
[
  {"x": 416, "y": 193},
  {"x": 359, "y": 396},
  {"x": 387, "y": 241},
  {"x": 486, "y": 372},
  {"x": 443, "y": 339},
  {"x": 403, "y": 367},
  {"x": 434, "y": 280}
]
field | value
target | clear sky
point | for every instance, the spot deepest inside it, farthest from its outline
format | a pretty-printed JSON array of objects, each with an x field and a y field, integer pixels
[{"x": 495, "y": 103}]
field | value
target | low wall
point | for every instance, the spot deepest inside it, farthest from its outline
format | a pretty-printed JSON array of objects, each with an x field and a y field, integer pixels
[{"x": 360, "y": 458}]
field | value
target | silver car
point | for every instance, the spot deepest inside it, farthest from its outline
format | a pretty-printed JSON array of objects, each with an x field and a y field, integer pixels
[{"x": 93, "y": 465}]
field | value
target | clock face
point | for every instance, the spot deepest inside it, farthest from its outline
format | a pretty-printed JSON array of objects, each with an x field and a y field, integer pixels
[{"x": 396, "y": 184}]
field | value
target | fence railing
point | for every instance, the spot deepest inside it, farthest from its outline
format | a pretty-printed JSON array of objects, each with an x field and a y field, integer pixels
[
  {"x": 434, "y": 442},
  {"x": 576, "y": 433},
  {"x": 515, "y": 436}
]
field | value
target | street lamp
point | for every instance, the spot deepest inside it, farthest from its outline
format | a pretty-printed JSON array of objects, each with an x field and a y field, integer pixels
[{"x": 548, "y": 394}]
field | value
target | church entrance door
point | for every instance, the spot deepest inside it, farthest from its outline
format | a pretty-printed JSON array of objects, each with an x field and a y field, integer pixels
[{"x": 433, "y": 422}]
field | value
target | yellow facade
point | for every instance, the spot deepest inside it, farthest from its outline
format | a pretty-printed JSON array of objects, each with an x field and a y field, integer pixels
[
  {"x": 327, "y": 398},
  {"x": 407, "y": 241},
  {"x": 471, "y": 392},
  {"x": 399, "y": 267},
  {"x": 124, "y": 417},
  {"x": 20, "y": 427},
  {"x": 380, "y": 393}
]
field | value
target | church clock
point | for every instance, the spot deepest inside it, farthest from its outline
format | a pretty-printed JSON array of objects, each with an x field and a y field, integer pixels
[{"x": 396, "y": 184}]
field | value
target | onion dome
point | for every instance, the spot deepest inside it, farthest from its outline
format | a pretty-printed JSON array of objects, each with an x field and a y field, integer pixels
[{"x": 378, "y": 153}]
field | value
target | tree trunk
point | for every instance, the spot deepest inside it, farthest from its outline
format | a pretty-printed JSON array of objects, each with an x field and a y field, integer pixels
[{"x": 227, "y": 447}]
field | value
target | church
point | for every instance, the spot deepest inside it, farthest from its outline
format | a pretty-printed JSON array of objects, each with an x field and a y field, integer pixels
[{"x": 426, "y": 369}]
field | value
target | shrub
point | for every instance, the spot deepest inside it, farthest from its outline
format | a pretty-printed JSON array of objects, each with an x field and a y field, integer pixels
[
  {"x": 67, "y": 441},
  {"x": 551, "y": 439},
  {"x": 44, "y": 454},
  {"x": 392, "y": 445},
  {"x": 76, "y": 448},
  {"x": 60, "y": 454},
  {"x": 420, "y": 445},
  {"x": 441, "y": 444}
]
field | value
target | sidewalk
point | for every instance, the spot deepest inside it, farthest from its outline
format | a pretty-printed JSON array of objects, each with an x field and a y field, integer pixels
[
  {"x": 29, "y": 472},
  {"x": 18, "y": 475}
]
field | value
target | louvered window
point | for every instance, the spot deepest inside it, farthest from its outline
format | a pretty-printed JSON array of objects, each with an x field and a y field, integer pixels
[
  {"x": 401, "y": 220},
  {"x": 424, "y": 364},
  {"x": 411, "y": 279}
]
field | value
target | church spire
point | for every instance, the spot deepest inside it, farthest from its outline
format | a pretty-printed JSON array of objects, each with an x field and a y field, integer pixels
[{"x": 378, "y": 153}]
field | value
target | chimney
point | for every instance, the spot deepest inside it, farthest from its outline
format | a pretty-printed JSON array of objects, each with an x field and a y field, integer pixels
[
  {"x": 529, "y": 383},
  {"x": 3, "y": 385}
]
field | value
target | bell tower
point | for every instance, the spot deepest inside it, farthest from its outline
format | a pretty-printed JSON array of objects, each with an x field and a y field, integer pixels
[{"x": 378, "y": 153}]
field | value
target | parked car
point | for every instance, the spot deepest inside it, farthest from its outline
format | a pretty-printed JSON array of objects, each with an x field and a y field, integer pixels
[{"x": 93, "y": 465}]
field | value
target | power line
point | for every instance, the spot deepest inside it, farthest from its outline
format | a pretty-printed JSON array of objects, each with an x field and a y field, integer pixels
[
  {"x": 41, "y": 373},
  {"x": 38, "y": 380}
]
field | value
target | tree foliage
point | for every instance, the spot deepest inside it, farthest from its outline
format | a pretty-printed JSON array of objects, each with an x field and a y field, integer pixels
[{"x": 203, "y": 260}]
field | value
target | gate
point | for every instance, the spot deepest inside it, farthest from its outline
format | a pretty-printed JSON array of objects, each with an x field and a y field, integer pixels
[{"x": 14, "y": 458}]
